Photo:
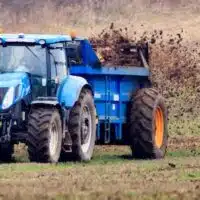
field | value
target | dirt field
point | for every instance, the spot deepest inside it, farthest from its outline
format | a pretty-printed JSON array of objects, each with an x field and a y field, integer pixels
[
  {"x": 175, "y": 67},
  {"x": 110, "y": 175}
]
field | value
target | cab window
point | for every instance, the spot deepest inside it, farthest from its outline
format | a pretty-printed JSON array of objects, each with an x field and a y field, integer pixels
[
  {"x": 58, "y": 61},
  {"x": 74, "y": 52},
  {"x": 23, "y": 58}
]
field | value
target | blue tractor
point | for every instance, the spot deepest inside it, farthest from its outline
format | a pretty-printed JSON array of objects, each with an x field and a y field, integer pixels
[{"x": 58, "y": 99}]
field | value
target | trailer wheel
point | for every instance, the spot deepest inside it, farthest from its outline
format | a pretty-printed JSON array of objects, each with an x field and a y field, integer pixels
[
  {"x": 44, "y": 135},
  {"x": 82, "y": 127},
  {"x": 148, "y": 125},
  {"x": 6, "y": 151}
]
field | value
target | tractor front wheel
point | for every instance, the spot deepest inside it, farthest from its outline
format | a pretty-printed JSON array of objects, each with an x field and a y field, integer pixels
[
  {"x": 44, "y": 135},
  {"x": 148, "y": 125}
]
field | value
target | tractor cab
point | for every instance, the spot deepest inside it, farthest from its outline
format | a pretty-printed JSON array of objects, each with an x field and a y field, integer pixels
[{"x": 43, "y": 62}]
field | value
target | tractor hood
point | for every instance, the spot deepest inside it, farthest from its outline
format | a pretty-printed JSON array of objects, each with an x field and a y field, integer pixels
[{"x": 13, "y": 87}]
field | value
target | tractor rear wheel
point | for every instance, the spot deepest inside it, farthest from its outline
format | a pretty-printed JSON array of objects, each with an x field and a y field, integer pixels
[
  {"x": 44, "y": 135},
  {"x": 6, "y": 151},
  {"x": 148, "y": 125},
  {"x": 82, "y": 127}
]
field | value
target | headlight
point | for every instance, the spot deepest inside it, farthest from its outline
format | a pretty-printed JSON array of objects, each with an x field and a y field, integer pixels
[
  {"x": 8, "y": 98},
  {"x": 42, "y": 42}
]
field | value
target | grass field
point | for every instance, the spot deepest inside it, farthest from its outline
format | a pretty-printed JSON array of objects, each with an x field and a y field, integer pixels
[{"x": 112, "y": 174}]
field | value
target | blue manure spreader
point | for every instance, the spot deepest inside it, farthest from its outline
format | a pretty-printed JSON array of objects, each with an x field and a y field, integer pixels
[{"x": 58, "y": 99}]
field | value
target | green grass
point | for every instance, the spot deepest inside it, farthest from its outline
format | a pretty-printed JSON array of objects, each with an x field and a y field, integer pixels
[
  {"x": 184, "y": 153},
  {"x": 113, "y": 155},
  {"x": 192, "y": 176},
  {"x": 110, "y": 175}
]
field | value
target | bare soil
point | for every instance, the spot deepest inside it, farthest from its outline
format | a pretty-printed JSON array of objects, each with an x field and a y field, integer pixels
[
  {"x": 110, "y": 175},
  {"x": 184, "y": 143}
]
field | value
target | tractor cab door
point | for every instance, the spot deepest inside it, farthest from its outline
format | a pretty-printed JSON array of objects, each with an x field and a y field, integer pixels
[
  {"x": 38, "y": 84},
  {"x": 58, "y": 66}
]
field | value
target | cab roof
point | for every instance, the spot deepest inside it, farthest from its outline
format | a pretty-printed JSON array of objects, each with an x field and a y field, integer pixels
[{"x": 36, "y": 38}]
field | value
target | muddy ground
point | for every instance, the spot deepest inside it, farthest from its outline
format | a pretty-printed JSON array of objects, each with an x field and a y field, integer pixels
[
  {"x": 111, "y": 174},
  {"x": 170, "y": 179}
]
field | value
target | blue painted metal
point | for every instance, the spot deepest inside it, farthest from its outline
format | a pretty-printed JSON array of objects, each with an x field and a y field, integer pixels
[
  {"x": 34, "y": 38},
  {"x": 69, "y": 90},
  {"x": 65, "y": 96},
  {"x": 8, "y": 80},
  {"x": 120, "y": 70},
  {"x": 88, "y": 54},
  {"x": 112, "y": 88}
]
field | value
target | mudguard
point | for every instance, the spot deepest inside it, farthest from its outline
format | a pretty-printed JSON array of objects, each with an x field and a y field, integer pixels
[{"x": 69, "y": 90}]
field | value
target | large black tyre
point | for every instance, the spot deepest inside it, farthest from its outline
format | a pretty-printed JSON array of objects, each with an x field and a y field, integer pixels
[
  {"x": 44, "y": 135},
  {"x": 6, "y": 151},
  {"x": 148, "y": 125},
  {"x": 82, "y": 127}
]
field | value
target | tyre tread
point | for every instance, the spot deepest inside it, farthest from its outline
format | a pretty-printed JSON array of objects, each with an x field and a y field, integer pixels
[{"x": 140, "y": 123}]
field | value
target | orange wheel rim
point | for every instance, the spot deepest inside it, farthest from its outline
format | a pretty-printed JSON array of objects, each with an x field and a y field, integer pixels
[{"x": 159, "y": 123}]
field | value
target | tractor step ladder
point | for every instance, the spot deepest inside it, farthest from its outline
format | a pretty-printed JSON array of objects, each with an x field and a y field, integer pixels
[{"x": 107, "y": 111}]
